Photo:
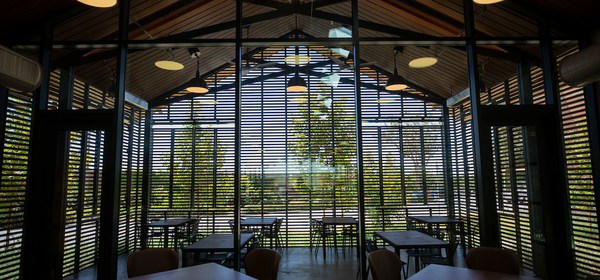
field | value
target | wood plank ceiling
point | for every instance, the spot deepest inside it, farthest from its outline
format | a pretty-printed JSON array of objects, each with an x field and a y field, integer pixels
[{"x": 168, "y": 18}]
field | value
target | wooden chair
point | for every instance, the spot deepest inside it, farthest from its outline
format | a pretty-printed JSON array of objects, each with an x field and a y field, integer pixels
[
  {"x": 151, "y": 261},
  {"x": 266, "y": 232},
  {"x": 493, "y": 259},
  {"x": 253, "y": 246},
  {"x": 185, "y": 234},
  {"x": 385, "y": 265},
  {"x": 372, "y": 247},
  {"x": 319, "y": 234},
  {"x": 262, "y": 264}
]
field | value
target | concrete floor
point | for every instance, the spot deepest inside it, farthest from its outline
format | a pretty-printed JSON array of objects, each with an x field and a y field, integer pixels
[{"x": 296, "y": 264}]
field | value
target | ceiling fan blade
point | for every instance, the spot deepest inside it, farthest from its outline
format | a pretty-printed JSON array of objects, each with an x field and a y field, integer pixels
[
  {"x": 228, "y": 61},
  {"x": 335, "y": 72},
  {"x": 263, "y": 65},
  {"x": 338, "y": 62},
  {"x": 368, "y": 64}
]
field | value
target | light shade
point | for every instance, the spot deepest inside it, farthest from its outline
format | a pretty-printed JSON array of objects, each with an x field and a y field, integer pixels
[
  {"x": 197, "y": 85},
  {"x": 297, "y": 59},
  {"x": 113, "y": 89},
  {"x": 296, "y": 84},
  {"x": 168, "y": 65},
  {"x": 487, "y": 1},
  {"x": 396, "y": 82},
  {"x": 99, "y": 3},
  {"x": 422, "y": 62}
]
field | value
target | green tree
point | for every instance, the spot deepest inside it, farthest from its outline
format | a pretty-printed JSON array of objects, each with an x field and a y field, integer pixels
[
  {"x": 197, "y": 156},
  {"x": 325, "y": 138}
]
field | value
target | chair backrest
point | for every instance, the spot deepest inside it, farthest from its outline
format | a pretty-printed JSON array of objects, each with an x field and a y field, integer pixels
[
  {"x": 278, "y": 224},
  {"x": 194, "y": 227},
  {"x": 253, "y": 246},
  {"x": 187, "y": 258},
  {"x": 151, "y": 261},
  {"x": 262, "y": 264},
  {"x": 493, "y": 259},
  {"x": 316, "y": 225},
  {"x": 385, "y": 265},
  {"x": 231, "y": 225},
  {"x": 371, "y": 246}
]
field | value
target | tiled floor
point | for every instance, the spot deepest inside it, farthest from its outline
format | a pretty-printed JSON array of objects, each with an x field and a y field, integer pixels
[{"x": 296, "y": 264}]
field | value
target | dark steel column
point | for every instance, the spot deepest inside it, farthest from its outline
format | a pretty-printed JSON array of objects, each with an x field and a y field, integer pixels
[
  {"x": 129, "y": 180},
  {"x": 532, "y": 172},
  {"x": 359, "y": 145},
  {"x": 484, "y": 172},
  {"x": 40, "y": 99},
  {"x": 36, "y": 249},
  {"x": 65, "y": 92},
  {"x": 147, "y": 172},
  {"x": 238, "y": 135},
  {"x": 109, "y": 215},
  {"x": 447, "y": 159},
  {"x": 65, "y": 102},
  {"x": 557, "y": 238},
  {"x": 80, "y": 197}
]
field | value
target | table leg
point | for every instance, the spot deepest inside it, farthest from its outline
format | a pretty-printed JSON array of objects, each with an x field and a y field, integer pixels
[
  {"x": 166, "y": 231},
  {"x": 324, "y": 238},
  {"x": 357, "y": 244},
  {"x": 450, "y": 256},
  {"x": 272, "y": 235},
  {"x": 462, "y": 239},
  {"x": 417, "y": 264},
  {"x": 335, "y": 241}
]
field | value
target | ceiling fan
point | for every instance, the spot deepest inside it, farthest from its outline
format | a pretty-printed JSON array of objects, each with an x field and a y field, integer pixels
[
  {"x": 247, "y": 68},
  {"x": 343, "y": 66}
]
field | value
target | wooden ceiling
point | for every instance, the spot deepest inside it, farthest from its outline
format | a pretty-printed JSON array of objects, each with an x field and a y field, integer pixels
[{"x": 21, "y": 21}]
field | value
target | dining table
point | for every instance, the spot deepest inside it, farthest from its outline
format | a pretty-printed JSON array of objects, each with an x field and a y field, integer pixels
[
  {"x": 444, "y": 272},
  {"x": 413, "y": 239},
  {"x": 260, "y": 223},
  {"x": 431, "y": 221},
  {"x": 217, "y": 243},
  {"x": 165, "y": 224},
  {"x": 208, "y": 271},
  {"x": 337, "y": 221}
]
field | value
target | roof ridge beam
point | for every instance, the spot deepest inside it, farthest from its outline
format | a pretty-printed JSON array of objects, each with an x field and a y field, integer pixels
[
  {"x": 204, "y": 31},
  {"x": 394, "y": 31},
  {"x": 169, "y": 11}
]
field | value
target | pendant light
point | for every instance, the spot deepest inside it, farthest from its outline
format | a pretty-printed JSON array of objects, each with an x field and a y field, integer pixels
[
  {"x": 396, "y": 82},
  {"x": 484, "y": 2},
  {"x": 296, "y": 83},
  {"x": 197, "y": 84},
  {"x": 99, "y": 3},
  {"x": 423, "y": 62},
  {"x": 169, "y": 64}
]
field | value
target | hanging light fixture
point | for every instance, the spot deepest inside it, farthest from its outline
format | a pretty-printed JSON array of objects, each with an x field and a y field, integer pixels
[
  {"x": 197, "y": 84},
  {"x": 99, "y": 3},
  {"x": 296, "y": 83},
  {"x": 169, "y": 64},
  {"x": 396, "y": 82},
  {"x": 428, "y": 61},
  {"x": 423, "y": 62},
  {"x": 485, "y": 2}
]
